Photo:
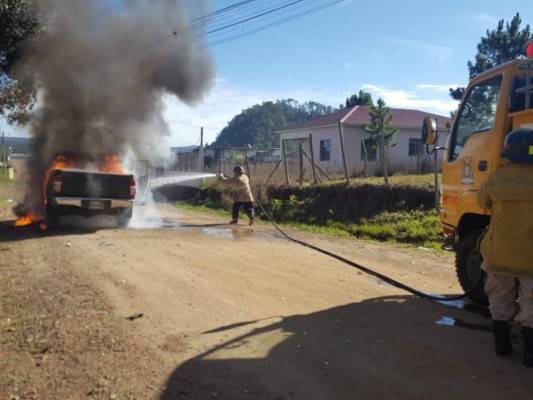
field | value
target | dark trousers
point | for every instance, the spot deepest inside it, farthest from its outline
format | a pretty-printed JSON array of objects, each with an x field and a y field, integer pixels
[{"x": 248, "y": 208}]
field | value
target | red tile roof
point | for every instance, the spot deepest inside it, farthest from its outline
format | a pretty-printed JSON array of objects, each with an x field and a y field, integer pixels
[{"x": 358, "y": 115}]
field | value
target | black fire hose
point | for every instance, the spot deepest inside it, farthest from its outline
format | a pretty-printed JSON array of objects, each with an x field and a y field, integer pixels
[{"x": 374, "y": 273}]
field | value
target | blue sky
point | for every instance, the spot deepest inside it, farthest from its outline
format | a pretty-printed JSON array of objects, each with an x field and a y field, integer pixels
[{"x": 408, "y": 52}]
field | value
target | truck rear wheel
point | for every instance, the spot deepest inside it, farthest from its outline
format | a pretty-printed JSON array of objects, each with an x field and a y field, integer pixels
[
  {"x": 124, "y": 218},
  {"x": 468, "y": 267},
  {"x": 52, "y": 217}
]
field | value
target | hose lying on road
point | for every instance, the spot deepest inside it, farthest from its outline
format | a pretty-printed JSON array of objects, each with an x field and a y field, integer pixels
[{"x": 371, "y": 272}]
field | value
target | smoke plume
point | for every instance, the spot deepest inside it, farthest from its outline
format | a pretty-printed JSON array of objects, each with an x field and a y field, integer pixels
[{"x": 102, "y": 68}]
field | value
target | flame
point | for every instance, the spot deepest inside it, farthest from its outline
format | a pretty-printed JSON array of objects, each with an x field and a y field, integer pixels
[
  {"x": 111, "y": 164},
  {"x": 59, "y": 162},
  {"x": 28, "y": 219}
]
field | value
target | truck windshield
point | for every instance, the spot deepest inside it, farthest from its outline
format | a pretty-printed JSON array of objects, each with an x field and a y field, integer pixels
[{"x": 477, "y": 113}]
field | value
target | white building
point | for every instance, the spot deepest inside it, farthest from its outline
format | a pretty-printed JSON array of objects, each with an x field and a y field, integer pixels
[{"x": 324, "y": 134}]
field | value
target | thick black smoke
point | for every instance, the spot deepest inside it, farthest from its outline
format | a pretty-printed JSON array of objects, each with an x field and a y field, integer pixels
[{"x": 102, "y": 68}]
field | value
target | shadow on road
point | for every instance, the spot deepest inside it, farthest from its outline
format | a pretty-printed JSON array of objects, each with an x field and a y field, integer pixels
[
  {"x": 382, "y": 348},
  {"x": 11, "y": 233}
]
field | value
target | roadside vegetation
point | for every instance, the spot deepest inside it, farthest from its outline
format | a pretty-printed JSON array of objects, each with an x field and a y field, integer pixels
[
  {"x": 401, "y": 212},
  {"x": 6, "y": 186}
]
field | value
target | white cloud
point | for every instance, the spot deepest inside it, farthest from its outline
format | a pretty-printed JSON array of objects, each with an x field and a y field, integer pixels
[
  {"x": 378, "y": 55},
  {"x": 437, "y": 88},
  {"x": 350, "y": 64},
  {"x": 226, "y": 101},
  {"x": 431, "y": 52},
  {"x": 483, "y": 17},
  {"x": 223, "y": 103},
  {"x": 430, "y": 98}
]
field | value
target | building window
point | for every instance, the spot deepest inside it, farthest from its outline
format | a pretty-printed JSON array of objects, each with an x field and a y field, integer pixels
[
  {"x": 367, "y": 151},
  {"x": 325, "y": 150},
  {"x": 415, "y": 147}
]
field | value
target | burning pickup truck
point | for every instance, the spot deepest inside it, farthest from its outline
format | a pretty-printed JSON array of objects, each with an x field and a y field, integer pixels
[{"x": 87, "y": 185}]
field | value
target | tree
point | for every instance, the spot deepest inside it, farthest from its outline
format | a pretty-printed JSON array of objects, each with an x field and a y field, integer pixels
[
  {"x": 382, "y": 133},
  {"x": 505, "y": 43},
  {"x": 17, "y": 24},
  {"x": 257, "y": 124},
  {"x": 362, "y": 99}
]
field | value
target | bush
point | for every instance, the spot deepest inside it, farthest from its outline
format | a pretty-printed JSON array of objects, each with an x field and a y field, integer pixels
[{"x": 402, "y": 211}]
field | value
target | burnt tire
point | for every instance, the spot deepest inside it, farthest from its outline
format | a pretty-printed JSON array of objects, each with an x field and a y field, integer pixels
[
  {"x": 124, "y": 218},
  {"x": 52, "y": 217},
  {"x": 468, "y": 267}
]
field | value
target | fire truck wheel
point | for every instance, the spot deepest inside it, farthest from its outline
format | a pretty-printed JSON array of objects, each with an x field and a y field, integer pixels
[{"x": 468, "y": 267}]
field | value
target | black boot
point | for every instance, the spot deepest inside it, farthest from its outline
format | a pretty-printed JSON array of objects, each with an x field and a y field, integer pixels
[
  {"x": 502, "y": 338},
  {"x": 527, "y": 335}
]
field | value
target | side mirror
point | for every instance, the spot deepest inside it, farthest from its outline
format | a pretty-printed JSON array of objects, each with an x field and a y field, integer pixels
[{"x": 429, "y": 130}]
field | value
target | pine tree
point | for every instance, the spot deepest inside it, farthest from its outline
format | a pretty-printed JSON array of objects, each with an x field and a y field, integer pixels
[
  {"x": 507, "y": 42},
  {"x": 362, "y": 99},
  {"x": 382, "y": 133}
]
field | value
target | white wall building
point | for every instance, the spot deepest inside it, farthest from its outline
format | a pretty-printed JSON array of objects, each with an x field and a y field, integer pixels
[{"x": 324, "y": 133}]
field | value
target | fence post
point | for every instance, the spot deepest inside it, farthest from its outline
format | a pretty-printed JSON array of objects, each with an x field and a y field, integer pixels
[
  {"x": 285, "y": 162},
  {"x": 343, "y": 155},
  {"x": 312, "y": 157}
]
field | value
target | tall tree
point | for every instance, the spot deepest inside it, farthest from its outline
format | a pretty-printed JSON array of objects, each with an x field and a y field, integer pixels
[
  {"x": 17, "y": 23},
  {"x": 362, "y": 99},
  {"x": 507, "y": 42},
  {"x": 382, "y": 133}
]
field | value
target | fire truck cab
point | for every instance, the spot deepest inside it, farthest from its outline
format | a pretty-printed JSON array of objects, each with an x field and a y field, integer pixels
[{"x": 494, "y": 103}]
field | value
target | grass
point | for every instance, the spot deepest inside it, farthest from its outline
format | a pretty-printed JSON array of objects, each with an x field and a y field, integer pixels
[
  {"x": 413, "y": 229},
  {"x": 4, "y": 181},
  {"x": 4, "y": 185},
  {"x": 201, "y": 208}
]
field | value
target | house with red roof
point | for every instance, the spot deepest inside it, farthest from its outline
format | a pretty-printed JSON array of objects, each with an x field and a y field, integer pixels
[{"x": 325, "y": 135}]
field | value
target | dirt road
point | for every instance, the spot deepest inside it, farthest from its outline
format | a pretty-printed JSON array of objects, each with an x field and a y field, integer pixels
[{"x": 220, "y": 312}]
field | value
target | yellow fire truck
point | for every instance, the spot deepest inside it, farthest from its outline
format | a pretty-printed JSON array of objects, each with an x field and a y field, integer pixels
[{"x": 494, "y": 103}]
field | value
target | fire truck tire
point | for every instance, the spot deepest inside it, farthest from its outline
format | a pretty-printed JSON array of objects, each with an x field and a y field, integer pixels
[
  {"x": 468, "y": 267},
  {"x": 52, "y": 217}
]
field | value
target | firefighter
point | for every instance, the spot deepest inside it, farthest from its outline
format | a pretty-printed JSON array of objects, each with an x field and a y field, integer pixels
[
  {"x": 507, "y": 246},
  {"x": 242, "y": 194}
]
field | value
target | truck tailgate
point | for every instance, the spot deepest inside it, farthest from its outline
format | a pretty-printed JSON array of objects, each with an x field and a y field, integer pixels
[{"x": 95, "y": 185}]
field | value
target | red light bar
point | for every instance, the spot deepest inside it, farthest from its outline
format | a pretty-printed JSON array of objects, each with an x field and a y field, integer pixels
[{"x": 529, "y": 50}]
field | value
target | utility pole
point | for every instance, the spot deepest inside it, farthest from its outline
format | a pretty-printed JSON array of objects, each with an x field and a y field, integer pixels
[
  {"x": 200, "y": 166},
  {"x": 3, "y": 154},
  {"x": 436, "y": 176},
  {"x": 343, "y": 154}
]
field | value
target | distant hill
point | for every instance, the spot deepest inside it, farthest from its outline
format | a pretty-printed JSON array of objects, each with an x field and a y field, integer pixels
[
  {"x": 17, "y": 144},
  {"x": 256, "y": 125}
]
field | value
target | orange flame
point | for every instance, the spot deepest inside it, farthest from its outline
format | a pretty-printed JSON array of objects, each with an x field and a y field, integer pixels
[
  {"x": 28, "y": 219},
  {"x": 111, "y": 165},
  {"x": 59, "y": 162}
]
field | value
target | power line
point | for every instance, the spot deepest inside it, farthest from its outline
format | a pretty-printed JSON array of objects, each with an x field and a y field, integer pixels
[
  {"x": 254, "y": 19},
  {"x": 275, "y": 23},
  {"x": 190, "y": 126}
]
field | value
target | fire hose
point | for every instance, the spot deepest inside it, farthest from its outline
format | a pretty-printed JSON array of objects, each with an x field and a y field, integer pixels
[{"x": 371, "y": 272}]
